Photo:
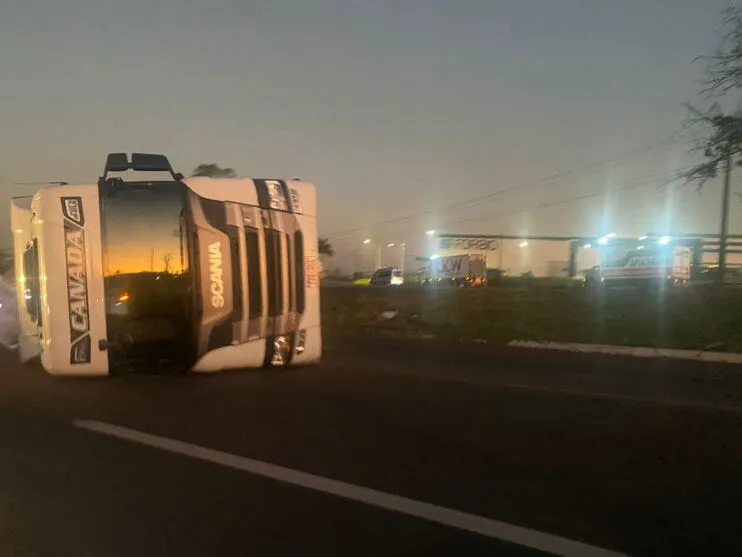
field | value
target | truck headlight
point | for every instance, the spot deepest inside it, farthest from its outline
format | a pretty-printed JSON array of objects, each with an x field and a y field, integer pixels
[
  {"x": 281, "y": 351},
  {"x": 301, "y": 341}
]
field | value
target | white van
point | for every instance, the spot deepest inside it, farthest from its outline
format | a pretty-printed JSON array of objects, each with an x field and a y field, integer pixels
[{"x": 388, "y": 276}]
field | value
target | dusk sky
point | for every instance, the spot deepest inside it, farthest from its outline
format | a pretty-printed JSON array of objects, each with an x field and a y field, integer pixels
[{"x": 391, "y": 108}]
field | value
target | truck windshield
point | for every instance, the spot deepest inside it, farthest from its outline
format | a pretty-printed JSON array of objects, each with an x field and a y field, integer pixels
[{"x": 148, "y": 276}]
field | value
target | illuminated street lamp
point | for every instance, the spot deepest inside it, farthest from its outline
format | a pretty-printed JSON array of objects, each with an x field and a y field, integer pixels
[
  {"x": 377, "y": 261},
  {"x": 429, "y": 235},
  {"x": 403, "y": 247}
]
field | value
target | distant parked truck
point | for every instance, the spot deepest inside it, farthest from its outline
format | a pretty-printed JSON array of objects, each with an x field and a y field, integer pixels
[
  {"x": 457, "y": 270},
  {"x": 641, "y": 262}
]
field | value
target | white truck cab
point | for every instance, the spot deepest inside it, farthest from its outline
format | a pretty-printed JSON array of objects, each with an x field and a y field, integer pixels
[{"x": 180, "y": 273}]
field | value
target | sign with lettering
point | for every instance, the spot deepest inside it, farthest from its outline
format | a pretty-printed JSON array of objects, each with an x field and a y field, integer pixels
[
  {"x": 77, "y": 279},
  {"x": 312, "y": 271},
  {"x": 469, "y": 244},
  {"x": 216, "y": 272}
]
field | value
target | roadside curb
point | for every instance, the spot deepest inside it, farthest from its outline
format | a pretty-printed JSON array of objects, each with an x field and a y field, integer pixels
[{"x": 636, "y": 351}]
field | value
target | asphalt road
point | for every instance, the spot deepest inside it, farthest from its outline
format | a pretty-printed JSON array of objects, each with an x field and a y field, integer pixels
[{"x": 642, "y": 457}]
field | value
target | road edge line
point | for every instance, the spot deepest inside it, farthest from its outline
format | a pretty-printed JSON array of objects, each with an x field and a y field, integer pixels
[
  {"x": 489, "y": 528},
  {"x": 636, "y": 351}
]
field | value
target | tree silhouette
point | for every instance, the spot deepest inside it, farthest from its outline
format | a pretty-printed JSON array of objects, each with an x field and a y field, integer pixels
[
  {"x": 722, "y": 146},
  {"x": 167, "y": 259},
  {"x": 325, "y": 248},
  {"x": 213, "y": 170},
  {"x": 723, "y": 75}
]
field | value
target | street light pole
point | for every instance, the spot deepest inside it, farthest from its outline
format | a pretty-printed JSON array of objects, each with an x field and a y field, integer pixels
[
  {"x": 377, "y": 261},
  {"x": 389, "y": 245},
  {"x": 428, "y": 237}
]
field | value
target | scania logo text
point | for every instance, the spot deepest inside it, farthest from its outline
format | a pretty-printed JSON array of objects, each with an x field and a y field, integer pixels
[{"x": 216, "y": 287}]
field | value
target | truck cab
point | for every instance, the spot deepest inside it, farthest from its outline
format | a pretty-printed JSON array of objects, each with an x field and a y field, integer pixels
[{"x": 172, "y": 274}]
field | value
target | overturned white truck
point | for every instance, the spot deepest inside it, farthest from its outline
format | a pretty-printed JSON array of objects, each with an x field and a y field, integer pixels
[{"x": 173, "y": 274}]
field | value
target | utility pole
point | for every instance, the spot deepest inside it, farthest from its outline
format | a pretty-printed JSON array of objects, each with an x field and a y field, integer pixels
[{"x": 723, "y": 236}]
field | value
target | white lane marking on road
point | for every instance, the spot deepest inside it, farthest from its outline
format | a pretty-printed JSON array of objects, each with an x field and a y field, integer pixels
[
  {"x": 495, "y": 383},
  {"x": 670, "y": 403},
  {"x": 426, "y": 511},
  {"x": 677, "y": 404}
]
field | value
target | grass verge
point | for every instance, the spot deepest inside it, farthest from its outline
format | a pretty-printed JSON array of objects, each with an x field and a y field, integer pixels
[{"x": 696, "y": 318}]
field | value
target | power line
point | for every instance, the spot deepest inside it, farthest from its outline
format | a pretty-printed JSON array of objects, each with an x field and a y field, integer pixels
[
  {"x": 666, "y": 178},
  {"x": 490, "y": 197},
  {"x": 669, "y": 178},
  {"x": 664, "y": 145}
]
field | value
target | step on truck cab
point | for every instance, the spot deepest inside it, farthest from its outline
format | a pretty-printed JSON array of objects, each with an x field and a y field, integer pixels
[{"x": 172, "y": 274}]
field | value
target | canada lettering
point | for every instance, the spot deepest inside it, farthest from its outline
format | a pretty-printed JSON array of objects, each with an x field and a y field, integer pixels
[{"x": 76, "y": 289}]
